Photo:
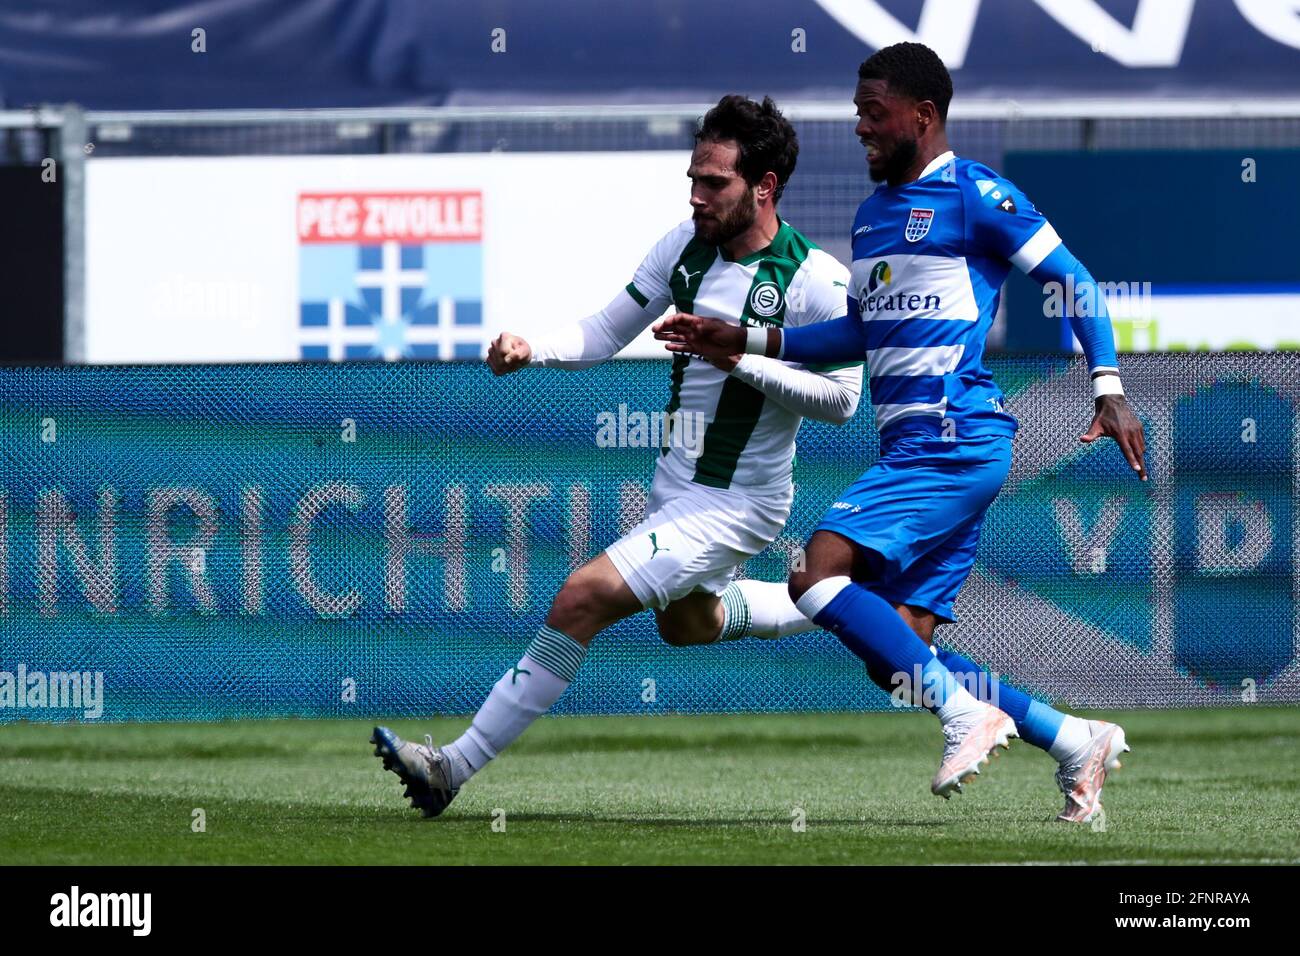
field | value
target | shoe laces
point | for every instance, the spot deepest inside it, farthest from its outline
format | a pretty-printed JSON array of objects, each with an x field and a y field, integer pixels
[
  {"x": 429, "y": 753},
  {"x": 956, "y": 729},
  {"x": 1067, "y": 776},
  {"x": 1071, "y": 765}
]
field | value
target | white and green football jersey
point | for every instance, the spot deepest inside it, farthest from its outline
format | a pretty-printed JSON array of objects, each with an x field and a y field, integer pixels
[{"x": 748, "y": 439}]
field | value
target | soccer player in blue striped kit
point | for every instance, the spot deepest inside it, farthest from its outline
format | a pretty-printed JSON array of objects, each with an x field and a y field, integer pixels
[{"x": 932, "y": 247}]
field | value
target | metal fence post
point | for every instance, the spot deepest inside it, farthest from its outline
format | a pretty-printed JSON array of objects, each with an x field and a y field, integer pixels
[{"x": 72, "y": 159}]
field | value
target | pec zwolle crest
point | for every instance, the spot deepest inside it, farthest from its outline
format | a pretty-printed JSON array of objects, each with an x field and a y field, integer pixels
[
  {"x": 765, "y": 300},
  {"x": 918, "y": 224}
]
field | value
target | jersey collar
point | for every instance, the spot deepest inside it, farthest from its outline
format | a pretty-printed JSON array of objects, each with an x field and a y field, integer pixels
[
  {"x": 943, "y": 159},
  {"x": 778, "y": 242}
]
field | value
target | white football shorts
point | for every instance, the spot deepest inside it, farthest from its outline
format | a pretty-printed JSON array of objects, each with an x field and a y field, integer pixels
[{"x": 693, "y": 538}]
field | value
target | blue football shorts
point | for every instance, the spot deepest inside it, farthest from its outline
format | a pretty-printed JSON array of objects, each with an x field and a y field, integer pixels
[{"x": 917, "y": 513}]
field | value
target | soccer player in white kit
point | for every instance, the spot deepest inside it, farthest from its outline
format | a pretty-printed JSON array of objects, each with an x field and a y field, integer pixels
[{"x": 722, "y": 491}]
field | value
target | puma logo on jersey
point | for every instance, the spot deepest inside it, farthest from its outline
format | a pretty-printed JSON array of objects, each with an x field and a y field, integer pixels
[
  {"x": 654, "y": 543},
  {"x": 687, "y": 275}
]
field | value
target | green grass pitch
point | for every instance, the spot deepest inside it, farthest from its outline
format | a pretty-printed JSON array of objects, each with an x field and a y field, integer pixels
[{"x": 1200, "y": 786}]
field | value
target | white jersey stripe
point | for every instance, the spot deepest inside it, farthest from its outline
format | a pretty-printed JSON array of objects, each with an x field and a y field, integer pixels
[
  {"x": 922, "y": 360},
  {"x": 1036, "y": 248},
  {"x": 887, "y": 413},
  {"x": 913, "y": 287}
]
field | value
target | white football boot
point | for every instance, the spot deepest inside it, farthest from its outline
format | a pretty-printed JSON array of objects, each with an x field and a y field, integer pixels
[
  {"x": 1081, "y": 774},
  {"x": 969, "y": 740},
  {"x": 424, "y": 768}
]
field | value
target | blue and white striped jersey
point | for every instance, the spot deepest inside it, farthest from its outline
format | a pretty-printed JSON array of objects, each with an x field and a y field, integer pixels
[{"x": 929, "y": 261}]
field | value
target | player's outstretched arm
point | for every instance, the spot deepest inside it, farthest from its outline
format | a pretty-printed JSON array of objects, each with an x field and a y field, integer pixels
[
  {"x": 1090, "y": 322},
  {"x": 1005, "y": 222},
  {"x": 838, "y": 340},
  {"x": 831, "y": 396},
  {"x": 587, "y": 342},
  {"x": 827, "y": 396}
]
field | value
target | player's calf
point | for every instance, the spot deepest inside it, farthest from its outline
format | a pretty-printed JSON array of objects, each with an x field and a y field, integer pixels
[
  {"x": 697, "y": 618},
  {"x": 592, "y": 598}
]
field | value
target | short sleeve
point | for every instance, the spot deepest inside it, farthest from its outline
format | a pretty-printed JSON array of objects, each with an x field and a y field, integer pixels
[{"x": 1004, "y": 224}]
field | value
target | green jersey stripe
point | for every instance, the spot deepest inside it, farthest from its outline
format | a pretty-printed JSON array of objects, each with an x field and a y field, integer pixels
[
  {"x": 740, "y": 404},
  {"x": 684, "y": 283},
  {"x": 696, "y": 259},
  {"x": 636, "y": 295},
  {"x": 680, "y": 361}
]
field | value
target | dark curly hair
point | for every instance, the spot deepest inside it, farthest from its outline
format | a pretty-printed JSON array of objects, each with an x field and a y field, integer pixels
[
  {"x": 766, "y": 140},
  {"x": 914, "y": 70}
]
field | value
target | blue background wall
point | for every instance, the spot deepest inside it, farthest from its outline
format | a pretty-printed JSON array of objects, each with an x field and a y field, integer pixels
[
  {"x": 433, "y": 427},
  {"x": 284, "y": 53},
  {"x": 1176, "y": 218}
]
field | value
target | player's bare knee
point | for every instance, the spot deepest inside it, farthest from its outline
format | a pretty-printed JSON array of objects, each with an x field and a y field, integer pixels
[
  {"x": 566, "y": 610},
  {"x": 576, "y": 606}
]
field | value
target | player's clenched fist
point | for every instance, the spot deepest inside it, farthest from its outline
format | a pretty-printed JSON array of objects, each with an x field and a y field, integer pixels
[{"x": 508, "y": 353}]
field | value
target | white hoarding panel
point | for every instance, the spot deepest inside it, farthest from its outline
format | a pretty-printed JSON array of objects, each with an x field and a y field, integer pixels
[{"x": 424, "y": 256}]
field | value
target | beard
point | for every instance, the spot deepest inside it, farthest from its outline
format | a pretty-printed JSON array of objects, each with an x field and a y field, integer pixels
[
  {"x": 730, "y": 224},
  {"x": 896, "y": 164}
]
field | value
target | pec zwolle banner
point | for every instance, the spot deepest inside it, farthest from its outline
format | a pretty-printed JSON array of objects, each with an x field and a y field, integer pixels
[
  {"x": 391, "y": 275},
  {"x": 363, "y": 539}
]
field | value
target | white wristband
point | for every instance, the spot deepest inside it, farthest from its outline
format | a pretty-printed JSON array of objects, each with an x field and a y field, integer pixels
[
  {"x": 1106, "y": 385},
  {"x": 756, "y": 340}
]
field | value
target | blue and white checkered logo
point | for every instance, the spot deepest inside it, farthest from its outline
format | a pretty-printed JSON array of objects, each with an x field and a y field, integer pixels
[
  {"x": 918, "y": 224},
  {"x": 391, "y": 301}
]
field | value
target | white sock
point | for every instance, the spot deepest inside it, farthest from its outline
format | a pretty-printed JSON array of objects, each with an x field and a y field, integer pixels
[
  {"x": 523, "y": 694},
  {"x": 958, "y": 704},
  {"x": 1074, "y": 733},
  {"x": 760, "y": 609}
]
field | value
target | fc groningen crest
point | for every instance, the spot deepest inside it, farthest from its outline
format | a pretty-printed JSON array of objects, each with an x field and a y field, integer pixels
[{"x": 765, "y": 300}]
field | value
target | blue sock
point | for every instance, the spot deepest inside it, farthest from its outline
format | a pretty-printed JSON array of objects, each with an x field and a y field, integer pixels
[
  {"x": 1038, "y": 723},
  {"x": 869, "y": 626}
]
